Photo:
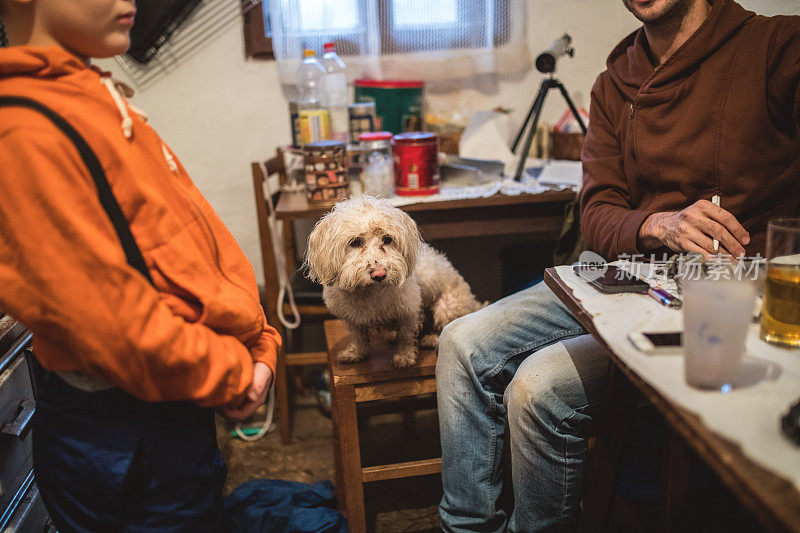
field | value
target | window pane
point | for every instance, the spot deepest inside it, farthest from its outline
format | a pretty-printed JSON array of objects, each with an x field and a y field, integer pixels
[
  {"x": 416, "y": 13},
  {"x": 328, "y": 15}
]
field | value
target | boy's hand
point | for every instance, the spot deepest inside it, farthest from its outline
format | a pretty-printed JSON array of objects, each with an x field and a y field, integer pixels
[
  {"x": 254, "y": 397},
  {"x": 692, "y": 230}
]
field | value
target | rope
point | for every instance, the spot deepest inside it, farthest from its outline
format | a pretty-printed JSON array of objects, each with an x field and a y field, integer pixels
[{"x": 275, "y": 227}]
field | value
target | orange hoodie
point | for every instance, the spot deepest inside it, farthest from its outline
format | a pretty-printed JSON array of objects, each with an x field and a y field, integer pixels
[{"x": 63, "y": 272}]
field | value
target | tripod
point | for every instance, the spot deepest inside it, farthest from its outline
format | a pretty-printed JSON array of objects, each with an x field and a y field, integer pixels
[{"x": 535, "y": 112}]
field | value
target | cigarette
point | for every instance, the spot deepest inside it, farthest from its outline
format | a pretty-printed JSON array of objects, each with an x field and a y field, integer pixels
[{"x": 715, "y": 201}]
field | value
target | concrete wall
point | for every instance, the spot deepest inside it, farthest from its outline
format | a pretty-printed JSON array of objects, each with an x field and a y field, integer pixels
[{"x": 219, "y": 111}]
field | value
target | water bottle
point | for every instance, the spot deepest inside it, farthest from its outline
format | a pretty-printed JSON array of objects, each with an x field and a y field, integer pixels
[
  {"x": 310, "y": 79},
  {"x": 335, "y": 96}
]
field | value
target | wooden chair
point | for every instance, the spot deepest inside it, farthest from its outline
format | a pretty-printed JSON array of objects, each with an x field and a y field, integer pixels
[
  {"x": 287, "y": 359},
  {"x": 356, "y": 385}
]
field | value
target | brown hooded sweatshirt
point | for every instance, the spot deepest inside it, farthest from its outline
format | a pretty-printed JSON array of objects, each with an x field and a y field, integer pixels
[{"x": 720, "y": 116}]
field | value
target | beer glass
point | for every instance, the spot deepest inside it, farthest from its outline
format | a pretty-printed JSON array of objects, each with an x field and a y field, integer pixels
[{"x": 780, "y": 316}]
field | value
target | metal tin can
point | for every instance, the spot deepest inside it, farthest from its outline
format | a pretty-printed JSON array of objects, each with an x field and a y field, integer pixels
[
  {"x": 398, "y": 103},
  {"x": 416, "y": 164},
  {"x": 362, "y": 120},
  {"x": 314, "y": 125},
  {"x": 327, "y": 181}
]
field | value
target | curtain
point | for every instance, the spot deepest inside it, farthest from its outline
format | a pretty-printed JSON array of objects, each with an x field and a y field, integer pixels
[{"x": 449, "y": 44}]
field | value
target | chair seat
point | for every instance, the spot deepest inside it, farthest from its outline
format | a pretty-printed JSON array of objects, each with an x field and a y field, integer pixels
[{"x": 377, "y": 366}]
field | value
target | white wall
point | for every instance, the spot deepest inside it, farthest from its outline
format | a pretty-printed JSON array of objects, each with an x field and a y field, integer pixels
[{"x": 219, "y": 111}]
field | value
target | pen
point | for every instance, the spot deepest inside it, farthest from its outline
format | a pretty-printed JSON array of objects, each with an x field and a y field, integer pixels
[
  {"x": 664, "y": 298},
  {"x": 715, "y": 201}
]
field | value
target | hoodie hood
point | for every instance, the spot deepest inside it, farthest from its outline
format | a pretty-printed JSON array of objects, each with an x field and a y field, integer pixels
[
  {"x": 53, "y": 62},
  {"x": 629, "y": 65}
]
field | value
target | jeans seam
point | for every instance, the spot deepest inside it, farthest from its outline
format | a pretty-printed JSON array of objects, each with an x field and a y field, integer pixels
[
  {"x": 530, "y": 348},
  {"x": 561, "y": 516},
  {"x": 492, "y": 458}
]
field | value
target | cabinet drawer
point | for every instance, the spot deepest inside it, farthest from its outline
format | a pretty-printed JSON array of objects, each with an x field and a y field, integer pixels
[
  {"x": 30, "y": 515},
  {"x": 16, "y": 406}
]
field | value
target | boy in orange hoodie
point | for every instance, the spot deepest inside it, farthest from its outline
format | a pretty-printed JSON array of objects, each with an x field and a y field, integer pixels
[{"x": 134, "y": 355}]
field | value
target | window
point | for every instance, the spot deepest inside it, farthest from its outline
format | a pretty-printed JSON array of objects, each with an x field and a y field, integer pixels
[
  {"x": 402, "y": 25},
  {"x": 441, "y": 42}
]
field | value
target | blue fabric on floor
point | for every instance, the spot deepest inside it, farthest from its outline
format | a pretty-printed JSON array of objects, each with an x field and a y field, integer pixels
[{"x": 263, "y": 505}]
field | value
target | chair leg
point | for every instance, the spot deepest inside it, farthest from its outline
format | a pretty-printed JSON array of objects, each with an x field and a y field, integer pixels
[
  {"x": 347, "y": 449},
  {"x": 282, "y": 401}
]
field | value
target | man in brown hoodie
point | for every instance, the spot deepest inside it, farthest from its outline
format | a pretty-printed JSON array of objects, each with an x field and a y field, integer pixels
[{"x": 703, "y": 100}]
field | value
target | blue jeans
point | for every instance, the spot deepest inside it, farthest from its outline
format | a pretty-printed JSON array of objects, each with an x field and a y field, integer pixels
[{"x": 524, "y": 359}]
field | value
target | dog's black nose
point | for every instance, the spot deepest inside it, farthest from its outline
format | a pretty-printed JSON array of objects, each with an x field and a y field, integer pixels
[{"x": 378, "y": 278}]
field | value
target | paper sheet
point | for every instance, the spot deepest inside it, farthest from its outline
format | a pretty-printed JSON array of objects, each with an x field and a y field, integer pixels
[{"x": 563, "y": 173}]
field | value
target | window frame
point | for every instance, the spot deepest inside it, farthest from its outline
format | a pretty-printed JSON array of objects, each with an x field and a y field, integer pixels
[{"x": 257, "y": 45}]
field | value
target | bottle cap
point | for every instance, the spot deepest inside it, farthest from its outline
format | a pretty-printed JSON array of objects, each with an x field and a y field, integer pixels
[
  {"x": 308, "y": 53},
  {"x": 329, "y": 47}
]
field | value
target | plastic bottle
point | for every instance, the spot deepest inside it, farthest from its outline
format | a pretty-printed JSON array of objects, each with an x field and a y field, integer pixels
[
  {"x": 310, "y": 79},
  {"x": 335, "y": 96}
]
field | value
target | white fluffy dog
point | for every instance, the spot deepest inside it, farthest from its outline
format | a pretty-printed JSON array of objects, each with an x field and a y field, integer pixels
[{"x": 378, "y": 274}]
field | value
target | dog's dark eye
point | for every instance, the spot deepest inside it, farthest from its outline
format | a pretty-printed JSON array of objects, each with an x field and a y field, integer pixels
[
  {"x": 355, "y": 243},
  {"x": 387, "y": 239}
]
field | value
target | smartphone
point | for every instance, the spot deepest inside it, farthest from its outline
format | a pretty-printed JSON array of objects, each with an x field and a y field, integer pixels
[
  {"x": 657, "y": 342},
  {"x": 611, "y": 279}
]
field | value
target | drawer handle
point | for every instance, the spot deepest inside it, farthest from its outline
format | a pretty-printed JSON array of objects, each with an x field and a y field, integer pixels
[{"x": 20, "y": 426}]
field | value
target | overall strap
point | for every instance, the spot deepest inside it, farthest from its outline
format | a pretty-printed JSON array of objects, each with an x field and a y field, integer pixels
[{"x": 107, "y": 199}]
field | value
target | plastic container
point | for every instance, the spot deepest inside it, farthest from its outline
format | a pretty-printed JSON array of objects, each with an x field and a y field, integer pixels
[
  {"x": 416, "y": 158},
  {"x": 310, "y": 79},
  {"x": 335, "y": 96},
  {"x": 398, "y": 104},
  {"x": 377, "y": 174}
]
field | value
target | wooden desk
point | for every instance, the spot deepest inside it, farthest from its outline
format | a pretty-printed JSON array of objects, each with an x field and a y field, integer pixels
[
  {"x": 474, "y": 217},
  {"x": 773, "y": 500}
]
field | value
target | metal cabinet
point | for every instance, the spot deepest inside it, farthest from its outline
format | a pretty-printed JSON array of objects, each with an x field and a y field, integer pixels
[{"x": 21, "y": 506}]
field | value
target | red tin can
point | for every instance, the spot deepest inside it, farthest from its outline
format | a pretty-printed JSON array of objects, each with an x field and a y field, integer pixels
[{"x": 416, "y": 163}]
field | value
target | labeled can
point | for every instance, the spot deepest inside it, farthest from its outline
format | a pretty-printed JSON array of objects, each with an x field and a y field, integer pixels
[
  {"x": 314, "y": 125},
  {"x": 327, "y": 180},
  {"x": 416, "y": 163},
  {"x": 362, "y": 120}
]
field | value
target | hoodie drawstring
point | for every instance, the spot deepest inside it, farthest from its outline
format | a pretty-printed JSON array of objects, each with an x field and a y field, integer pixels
[
  {"x": 127, "y": 121},
  {"x": 173, "y": 166}
]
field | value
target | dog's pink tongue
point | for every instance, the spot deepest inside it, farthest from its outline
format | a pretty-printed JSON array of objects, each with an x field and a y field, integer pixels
[{"x": 379, "y": 273}]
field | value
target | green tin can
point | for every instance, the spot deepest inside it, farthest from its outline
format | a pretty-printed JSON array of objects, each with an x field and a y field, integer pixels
[{"x": 398, "y": 104}]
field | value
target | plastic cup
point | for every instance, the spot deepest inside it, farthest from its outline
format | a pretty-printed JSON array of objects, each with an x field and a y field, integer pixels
[{"x": 716, "y": 317}]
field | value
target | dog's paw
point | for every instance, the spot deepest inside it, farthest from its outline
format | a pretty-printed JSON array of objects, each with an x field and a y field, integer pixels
[
  {"x": 351, "y": 354},
  {"x": 429, "y": 341},
  {"x": 405, "y": 357}
]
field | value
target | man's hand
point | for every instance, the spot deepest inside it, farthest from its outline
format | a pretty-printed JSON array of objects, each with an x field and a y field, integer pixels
[
  {"x": 693, "y": 230},
  {"x": 254, "y": 397}
]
